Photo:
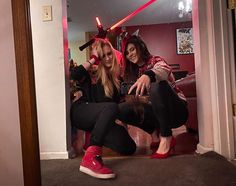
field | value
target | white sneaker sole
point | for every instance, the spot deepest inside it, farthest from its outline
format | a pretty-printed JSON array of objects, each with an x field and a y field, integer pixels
[{"x": 96, "y": 175}]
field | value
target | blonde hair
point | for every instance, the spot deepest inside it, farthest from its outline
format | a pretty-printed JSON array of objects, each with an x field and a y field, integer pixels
[{"x": 108, "y": 77}]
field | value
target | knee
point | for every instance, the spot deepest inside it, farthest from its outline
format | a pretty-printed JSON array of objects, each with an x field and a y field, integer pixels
[
  {"x": 158, "y": 90},
  {"x": 112, "y": 107},
  {"x": 122, "y": 106},
  {"x": 124, "y": 111},
  {"x": 154, "y": 91}
]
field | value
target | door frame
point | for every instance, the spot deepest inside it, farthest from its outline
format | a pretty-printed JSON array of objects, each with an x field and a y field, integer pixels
[
  {"x": 213, "y": 83},
  {"x": 26, "y": 92},
  {"x": 27, "y": 100}
]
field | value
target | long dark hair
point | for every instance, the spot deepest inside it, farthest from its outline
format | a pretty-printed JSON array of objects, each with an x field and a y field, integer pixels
[{"x": 131, "y": 69}]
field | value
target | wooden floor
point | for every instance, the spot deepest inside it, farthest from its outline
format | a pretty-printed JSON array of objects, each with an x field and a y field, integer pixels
[{"x": 186, "y": 142}]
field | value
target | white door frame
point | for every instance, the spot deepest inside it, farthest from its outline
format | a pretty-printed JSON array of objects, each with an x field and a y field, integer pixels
[
  {"x": 232, "y": 69},
  {"x": 212, "y": 65}
]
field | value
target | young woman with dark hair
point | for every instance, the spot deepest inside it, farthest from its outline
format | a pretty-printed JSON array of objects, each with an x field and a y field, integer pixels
[{"x": 166, "y": 107}]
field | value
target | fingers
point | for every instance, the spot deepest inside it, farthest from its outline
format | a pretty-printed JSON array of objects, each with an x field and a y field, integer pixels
[
  {"x": 147, "y": 86},
  {"x": 132, "y": 87},
  {"x": 138, "y": 86},
  {"x": 77, "y": 95},
  {"x": 94, "y": 51},
  {"x": 141, "y": 84},
  {"x": 142, "y": 90},
  {"x": 138, "y": 89}
]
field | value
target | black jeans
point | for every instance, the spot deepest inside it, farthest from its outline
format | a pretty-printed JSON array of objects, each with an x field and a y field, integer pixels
[
  {"x": 165, "y": 112},
  {"x": 99, "y": 119}
]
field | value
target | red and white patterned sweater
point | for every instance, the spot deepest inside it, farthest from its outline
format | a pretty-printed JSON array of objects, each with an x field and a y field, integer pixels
[{"x": 162, "y": 71}]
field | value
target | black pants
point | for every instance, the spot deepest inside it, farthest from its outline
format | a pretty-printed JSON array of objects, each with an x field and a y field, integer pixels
[
  {"x": 99, "y": 119},
  {"x": 165, "y": 112}
]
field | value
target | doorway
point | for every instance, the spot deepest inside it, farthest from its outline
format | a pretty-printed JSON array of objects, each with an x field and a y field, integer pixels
[
  {"x": 31, "y": 159},
  {"x": 162, "y": 33}
]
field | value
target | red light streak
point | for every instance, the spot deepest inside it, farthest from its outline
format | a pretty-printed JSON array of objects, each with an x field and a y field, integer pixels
[
  {"x": 98, "y": 21},
  {"x": 132, "y": 14}
]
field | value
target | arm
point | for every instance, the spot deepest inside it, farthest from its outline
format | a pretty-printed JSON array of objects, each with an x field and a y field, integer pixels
[
  {"x": 160, "y": 71},
  {"x": 141, "y": 84},
  {"x": 80, "y": 73},
  {"x": 91, "y": 61}
]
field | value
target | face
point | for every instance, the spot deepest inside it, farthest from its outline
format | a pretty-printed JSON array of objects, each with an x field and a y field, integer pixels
[
  {"x": 107, "y": 56},
  {"x": 132, "y": 53}
]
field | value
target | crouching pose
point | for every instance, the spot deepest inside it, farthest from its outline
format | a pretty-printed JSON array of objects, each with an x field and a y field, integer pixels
[
  {"x": 96, "y": 109},
  {"x": 167, "y": 107}
]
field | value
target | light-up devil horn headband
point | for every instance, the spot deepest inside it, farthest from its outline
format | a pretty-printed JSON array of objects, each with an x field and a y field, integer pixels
[{"x": 102, "y": 33}]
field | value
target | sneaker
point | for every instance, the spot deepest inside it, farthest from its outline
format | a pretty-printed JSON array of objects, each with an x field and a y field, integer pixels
[{"x": 93, "y": 166}]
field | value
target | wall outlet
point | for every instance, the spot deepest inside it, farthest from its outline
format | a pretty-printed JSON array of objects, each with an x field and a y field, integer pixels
[{"x": 47, "y": 13}]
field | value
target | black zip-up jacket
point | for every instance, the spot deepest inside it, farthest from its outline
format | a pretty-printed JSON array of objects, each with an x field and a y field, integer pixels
[{"x": 91, "y": 92}]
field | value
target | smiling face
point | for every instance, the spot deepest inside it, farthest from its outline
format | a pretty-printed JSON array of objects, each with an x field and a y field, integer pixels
[
  {"x": 132, "y": 54},
  {"x": 107, "y": 57}
]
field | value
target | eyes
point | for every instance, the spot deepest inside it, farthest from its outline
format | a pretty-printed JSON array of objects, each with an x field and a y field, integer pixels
[
  {"x": 108, "y": 54},
  {"x": 129, "y": 50}
]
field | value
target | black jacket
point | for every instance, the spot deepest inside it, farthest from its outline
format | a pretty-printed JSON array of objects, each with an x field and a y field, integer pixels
[{"x": 91, "y": 92}]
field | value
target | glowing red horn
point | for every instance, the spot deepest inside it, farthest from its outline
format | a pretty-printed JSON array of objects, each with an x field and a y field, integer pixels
[
  {"x": 132, "y": 14},
  {"x": 98, "y": 21}
]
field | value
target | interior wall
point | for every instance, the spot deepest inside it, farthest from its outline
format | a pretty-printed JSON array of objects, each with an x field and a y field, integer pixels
[
  {"x": 11, "y": 167},
  {"x": 50, "y": 81},
  {"x": 161, "y": 40},
  {"x": 78, "y": 56}
]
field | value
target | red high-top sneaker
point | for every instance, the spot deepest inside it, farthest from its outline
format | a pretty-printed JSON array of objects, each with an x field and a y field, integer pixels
[{"x": 92, "y": 164}]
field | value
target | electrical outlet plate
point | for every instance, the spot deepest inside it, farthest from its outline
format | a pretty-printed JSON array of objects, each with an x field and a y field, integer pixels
[{"x": 47, "y": 13}]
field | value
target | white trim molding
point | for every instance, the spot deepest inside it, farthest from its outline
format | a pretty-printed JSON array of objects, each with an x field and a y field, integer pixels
[
  {"x": 201, "y": 149},
  {"x": 53, "y": 155}
]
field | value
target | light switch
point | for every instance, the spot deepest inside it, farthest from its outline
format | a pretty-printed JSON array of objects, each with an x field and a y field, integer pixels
[{"x": 47, "y": 13}]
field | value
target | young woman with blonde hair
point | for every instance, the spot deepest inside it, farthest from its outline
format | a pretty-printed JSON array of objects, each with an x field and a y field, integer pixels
[{"x": 96, "y": 109}]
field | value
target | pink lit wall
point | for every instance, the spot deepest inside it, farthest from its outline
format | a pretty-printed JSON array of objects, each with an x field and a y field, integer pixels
[{"x": 161, "y": 40}]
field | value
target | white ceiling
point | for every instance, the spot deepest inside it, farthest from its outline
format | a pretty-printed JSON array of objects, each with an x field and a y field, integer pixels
[{"x": 83, "y": 13}]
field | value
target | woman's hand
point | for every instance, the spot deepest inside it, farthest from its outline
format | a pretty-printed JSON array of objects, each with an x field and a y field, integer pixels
[
  {"x": 94, "y": 60},
  {"x": 141, "y": 84},
  {"x": 77, "y": 95},
  {"x": 94, "y": 56},
  {"x": 94, "y": 52}
]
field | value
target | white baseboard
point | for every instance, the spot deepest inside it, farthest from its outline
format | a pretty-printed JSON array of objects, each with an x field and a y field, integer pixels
[
  {"x": 201, "y": 149},
  {"x": 54, "y": 155}
]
